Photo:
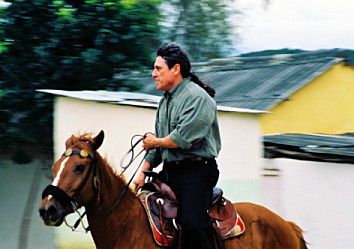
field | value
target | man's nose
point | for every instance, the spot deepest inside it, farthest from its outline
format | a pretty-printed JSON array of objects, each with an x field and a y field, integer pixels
[{"x": 154, "y": 74}]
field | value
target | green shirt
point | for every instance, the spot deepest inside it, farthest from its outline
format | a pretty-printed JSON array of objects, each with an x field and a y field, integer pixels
[{"x": 189, "y": 115}]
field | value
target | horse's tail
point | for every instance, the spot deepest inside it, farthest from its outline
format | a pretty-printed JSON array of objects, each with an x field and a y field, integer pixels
[{"x": 298, "y": 231}]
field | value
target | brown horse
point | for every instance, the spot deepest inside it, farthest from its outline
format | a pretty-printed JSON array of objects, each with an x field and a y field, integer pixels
[{"x": 83, "y": 178}]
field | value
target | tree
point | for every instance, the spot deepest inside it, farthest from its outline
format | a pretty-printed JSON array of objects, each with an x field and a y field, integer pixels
[
  {"x": 201, "y": 26},
  {"x": 54, "y": 44},
  {"x": 67, "y": 45}
]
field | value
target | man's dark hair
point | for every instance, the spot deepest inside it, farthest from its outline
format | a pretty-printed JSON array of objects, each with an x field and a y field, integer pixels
[{"x": 173, "y": 54}]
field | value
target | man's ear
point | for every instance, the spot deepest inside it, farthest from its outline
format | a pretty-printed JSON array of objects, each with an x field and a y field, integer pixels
[{"x": 176, "y": 69}]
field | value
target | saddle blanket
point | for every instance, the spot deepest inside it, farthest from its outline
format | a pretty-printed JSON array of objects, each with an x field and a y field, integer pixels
[{"x": 163, "y": 229}]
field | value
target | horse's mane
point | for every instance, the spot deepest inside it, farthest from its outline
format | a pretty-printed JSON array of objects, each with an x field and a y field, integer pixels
[
  {"x": 85, "y": 137},
  {"x": 84, "y": 140}
]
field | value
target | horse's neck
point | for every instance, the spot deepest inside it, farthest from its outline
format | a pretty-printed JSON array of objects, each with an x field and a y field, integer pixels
[{"x": 105, "y": 232}]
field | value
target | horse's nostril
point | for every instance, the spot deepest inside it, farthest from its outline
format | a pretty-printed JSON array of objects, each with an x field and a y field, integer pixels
[
  {"x": 48, "y": 211},
  {"x": 51, "y": 214},
  {"x": 52, "y": 210}
]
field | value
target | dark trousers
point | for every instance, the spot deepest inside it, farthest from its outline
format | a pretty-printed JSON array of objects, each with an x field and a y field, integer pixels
[{"x": 193, "y": 184}]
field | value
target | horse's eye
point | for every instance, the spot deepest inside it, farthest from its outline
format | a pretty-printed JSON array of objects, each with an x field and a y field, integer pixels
[{"x": 80, "y": 168}]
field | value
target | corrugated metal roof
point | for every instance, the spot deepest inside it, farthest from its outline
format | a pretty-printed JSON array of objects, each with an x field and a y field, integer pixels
[
  {"x": 319, "y": 147},
  {"x": 259, "y": 82},
  {"x": 130, "y": 98}
]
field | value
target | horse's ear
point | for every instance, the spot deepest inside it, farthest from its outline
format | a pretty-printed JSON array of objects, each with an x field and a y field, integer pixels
[{"x": 98, "y": 140}]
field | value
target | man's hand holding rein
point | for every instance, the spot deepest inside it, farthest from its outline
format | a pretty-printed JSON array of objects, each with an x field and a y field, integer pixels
[{"x": 152, "y": 142}]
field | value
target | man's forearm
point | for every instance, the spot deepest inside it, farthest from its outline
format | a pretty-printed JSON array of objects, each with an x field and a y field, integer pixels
[
  {"x": 146, "y": 166},
  {"x": 166, "y": 142}
]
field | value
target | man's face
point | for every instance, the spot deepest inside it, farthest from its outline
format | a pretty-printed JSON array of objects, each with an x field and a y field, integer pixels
[{"x": 165, "y": 78}]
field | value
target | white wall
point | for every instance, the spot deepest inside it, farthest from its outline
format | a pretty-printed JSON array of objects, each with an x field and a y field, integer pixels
[
  {"x": 119, "y": 122},
  {"x": 241, "y": 153}
]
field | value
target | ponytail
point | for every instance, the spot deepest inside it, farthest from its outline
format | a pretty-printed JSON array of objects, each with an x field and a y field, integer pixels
[{"x": 200, "y": 83}]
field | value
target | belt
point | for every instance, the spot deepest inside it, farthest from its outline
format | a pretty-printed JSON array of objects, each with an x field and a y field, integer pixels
[{"x": 188, "y": 161}]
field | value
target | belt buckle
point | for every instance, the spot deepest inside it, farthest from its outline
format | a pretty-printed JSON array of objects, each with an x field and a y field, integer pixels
[{"x": 197, "y": 159}]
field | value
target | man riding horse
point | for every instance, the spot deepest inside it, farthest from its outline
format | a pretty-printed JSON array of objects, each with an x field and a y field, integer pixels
[{"x": 186, "y": 141}]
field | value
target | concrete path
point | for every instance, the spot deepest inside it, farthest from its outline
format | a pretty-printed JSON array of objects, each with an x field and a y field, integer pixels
[{"x": 21, "y": 186}]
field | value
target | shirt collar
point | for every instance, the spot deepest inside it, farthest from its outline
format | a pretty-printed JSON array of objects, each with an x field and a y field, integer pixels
[{"x": 177, "y": 89}]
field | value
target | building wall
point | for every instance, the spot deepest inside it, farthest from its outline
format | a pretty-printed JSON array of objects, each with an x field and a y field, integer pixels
[
  {"x": 325, "y": 105},
  {"x": 241, "y": 153},
  {"x": 119, "y": 122}
]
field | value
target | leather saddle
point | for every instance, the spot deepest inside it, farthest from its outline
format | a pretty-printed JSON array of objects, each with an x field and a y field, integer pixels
[{"x": 161, "y": 206}]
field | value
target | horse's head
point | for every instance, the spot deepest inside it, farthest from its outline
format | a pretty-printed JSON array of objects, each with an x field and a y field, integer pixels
[{"x": 73, "y": 179}]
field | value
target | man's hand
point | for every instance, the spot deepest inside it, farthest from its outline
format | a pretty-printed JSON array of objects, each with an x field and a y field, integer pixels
[
  {"x": 139, "y": 181},
  {"x": 152, "y": 142}
]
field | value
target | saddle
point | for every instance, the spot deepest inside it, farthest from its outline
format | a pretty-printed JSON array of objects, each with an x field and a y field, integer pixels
[{"x": 161, "y": 206}]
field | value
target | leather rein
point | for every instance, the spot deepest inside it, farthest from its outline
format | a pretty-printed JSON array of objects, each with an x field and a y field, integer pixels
[{"x": 65, "y": 199}]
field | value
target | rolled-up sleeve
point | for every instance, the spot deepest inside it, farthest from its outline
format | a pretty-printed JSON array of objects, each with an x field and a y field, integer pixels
[
  {"x": 179, "y": 139},
  {"x": 150, "y": 156},
  {"x": 153, "y": 157}
]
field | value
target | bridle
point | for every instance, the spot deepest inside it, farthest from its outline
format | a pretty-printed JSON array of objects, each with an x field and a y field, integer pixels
[
  {"x": 66, "y": 200},
  {"x": 58, "y": 193},
  {"x": 63, "y": 197}
]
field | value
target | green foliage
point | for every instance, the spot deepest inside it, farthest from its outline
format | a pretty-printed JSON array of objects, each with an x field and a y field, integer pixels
[
  {"x": 54, "y": 45},
  {"x": 201, "y": 26}
]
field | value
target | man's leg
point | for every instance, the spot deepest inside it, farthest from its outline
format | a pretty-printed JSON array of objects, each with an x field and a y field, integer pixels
[{"x": 193, "y": 187}]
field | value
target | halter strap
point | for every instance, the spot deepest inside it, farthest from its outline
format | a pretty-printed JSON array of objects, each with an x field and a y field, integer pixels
[{"x": 58, "y": 193}]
